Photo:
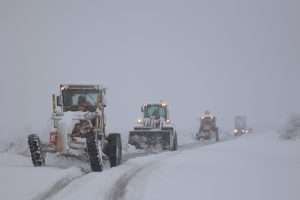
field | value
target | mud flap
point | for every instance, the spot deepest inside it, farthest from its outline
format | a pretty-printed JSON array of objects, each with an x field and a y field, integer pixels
[{"x": 146, "y": 139}]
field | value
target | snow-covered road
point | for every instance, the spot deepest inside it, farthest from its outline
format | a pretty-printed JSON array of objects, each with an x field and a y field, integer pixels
[
  {"x": 252, "y": 167},
  {"x": 257, "y": 166}
]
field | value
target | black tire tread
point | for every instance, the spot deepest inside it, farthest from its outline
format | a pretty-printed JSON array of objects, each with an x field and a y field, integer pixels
[
  {"x": 114, "y": 141},
  {"x": 36, "y": 152},
  {"x": 93, "y": 152}
]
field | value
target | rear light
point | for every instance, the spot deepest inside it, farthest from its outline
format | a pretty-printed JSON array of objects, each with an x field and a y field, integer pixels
[{"x": 53, "y": 137}]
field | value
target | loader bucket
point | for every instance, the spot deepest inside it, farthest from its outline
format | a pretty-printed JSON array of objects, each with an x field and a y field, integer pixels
[{"x": 146, "y": 139}]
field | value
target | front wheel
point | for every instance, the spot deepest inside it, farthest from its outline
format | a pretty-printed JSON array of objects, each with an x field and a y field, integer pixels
[
  {"x": 114, "y": 149},
  {"x": 36, "y": 150},
  {"x": 217, "y": 135},
  {"x": 93, "y": 149},
  {"x": 175, "y": 142}
]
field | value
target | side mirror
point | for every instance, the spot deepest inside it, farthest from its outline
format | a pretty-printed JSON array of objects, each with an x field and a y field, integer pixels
[
  {"x": 142, "y": 109},
  {"x": 59, "y": 100}
]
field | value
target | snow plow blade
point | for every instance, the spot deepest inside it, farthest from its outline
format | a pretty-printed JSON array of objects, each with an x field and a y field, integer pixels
[{"x": 146, "y": 139}]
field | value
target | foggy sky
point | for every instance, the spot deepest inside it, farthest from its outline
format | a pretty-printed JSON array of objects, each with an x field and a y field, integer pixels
[{"x": 230, "y": 57}]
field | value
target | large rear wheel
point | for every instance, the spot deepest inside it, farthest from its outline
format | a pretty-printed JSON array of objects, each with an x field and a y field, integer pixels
[
  {"x": 114, "y": 149},
  {"x": 93, "y": 149},
  {"x": 36, "y": 150}
]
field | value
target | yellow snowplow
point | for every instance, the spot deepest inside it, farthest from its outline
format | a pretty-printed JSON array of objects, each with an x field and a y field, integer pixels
[{"x": 208, "y": 128}]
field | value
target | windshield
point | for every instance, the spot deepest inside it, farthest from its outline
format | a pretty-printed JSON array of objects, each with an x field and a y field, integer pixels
[
  {"x": 208, "y": 120},
  {"x": 156, "y": 111},
  {"x": 79, "y": 99}
]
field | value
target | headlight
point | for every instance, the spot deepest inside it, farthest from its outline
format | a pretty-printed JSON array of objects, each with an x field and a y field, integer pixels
[
  {"x": 168, "y": 121},
  {"x": 235, "y": 130},
  {"x": 139, "y": 121}
]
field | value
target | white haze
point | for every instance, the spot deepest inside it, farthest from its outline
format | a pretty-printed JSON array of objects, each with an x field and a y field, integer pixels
[{"x": 229, "y": 57}]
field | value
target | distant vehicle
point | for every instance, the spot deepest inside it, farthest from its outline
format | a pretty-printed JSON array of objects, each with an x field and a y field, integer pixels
[
  {"x": 208, "y": 128},
  {"x": 240, "y": 125},
  {"x": 155, "y": 129},
  {"x": 79, "y": 129}
]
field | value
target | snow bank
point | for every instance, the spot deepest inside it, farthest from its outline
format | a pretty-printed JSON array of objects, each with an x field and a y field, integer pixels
[
  {"x": 14, "y": 139},
  {"x": 12, "y": 142},
  {"x": 291, "y": 130}
]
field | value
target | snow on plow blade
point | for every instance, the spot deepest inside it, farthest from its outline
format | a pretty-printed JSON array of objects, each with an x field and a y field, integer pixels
[
  {"x": 146, "y": 139},
  {"x": 203, "y": 135}
]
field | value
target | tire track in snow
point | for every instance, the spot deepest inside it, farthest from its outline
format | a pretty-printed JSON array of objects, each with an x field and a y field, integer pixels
[
  {"x": 118, "y": 192},
  {"x": 122, "y": 183},
  {"x": 58, "y": 186}
]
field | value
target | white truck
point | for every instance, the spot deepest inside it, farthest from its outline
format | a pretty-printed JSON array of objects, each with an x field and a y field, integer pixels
[{"x": 240, "y": 124}]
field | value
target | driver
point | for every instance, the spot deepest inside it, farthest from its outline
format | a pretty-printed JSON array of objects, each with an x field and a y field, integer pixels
[
  {"x": 82, "y": 102},
  {"x": 156, "y": 114}
]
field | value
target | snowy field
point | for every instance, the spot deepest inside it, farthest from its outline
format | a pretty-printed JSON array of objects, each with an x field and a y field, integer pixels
[{"x": 258, "y": 166}]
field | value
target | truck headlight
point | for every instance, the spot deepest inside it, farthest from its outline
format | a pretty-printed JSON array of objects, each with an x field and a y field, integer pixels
[
  {"x": 139, "y": 121},
  {"x": 235, "y": 130}
]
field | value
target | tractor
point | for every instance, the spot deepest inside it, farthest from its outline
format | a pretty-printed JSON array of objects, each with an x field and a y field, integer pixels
[
  {"x": 79, "y": 129},
  {"x": 155, "y": 130}
]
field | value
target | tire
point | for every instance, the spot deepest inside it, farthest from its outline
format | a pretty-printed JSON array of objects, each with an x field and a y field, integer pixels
[
  {"x": 175, "y": 142},
  {"x": 114, "y": 149},
  {"x": 93, "y": 150},
  {"x": 217, "y": 135},
  {"x": 36, "y": 151}
]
